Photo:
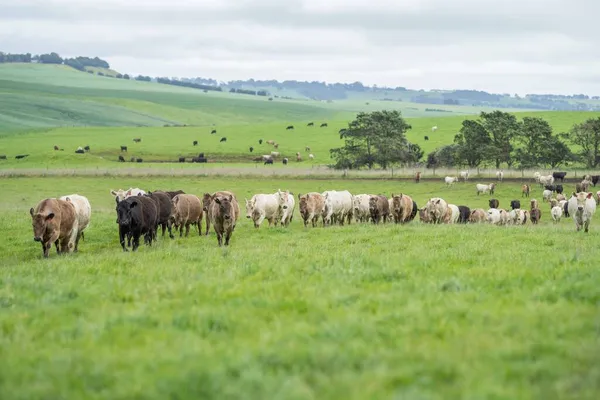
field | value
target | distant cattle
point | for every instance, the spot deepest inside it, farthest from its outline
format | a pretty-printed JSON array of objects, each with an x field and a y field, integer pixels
[
  {"x": 2, "y": 156},
  {"x": 21, "y": 156},
  {"x": 54, "y": 221},
  {"x": 271, "y": 142},
  {"x": 121, "y": 159},
  {"x": 223, "y": 139},
  {"x": 323, "y": 125},
  {"x": 559, "y": 189},
  {"x": 195, "y": 143},
  {"x": 595, "y": 179},
  {"x": 200, "y": 155},
  {"x": 137, "y": 140},
  {"x": 298, "y": 157},
  {"x": 199, "y": 160},
  {"x": 449, "y": 180},
  {"x": 186, "y": 210},
  {"x": 124, "y": 148},
  {"x": 485, "y": 188},
  {"x": 310, "y": 124},
  {"x": 307, "y": 149},
  {"x": 260, "y": 141},
  {"x": 494, "y": 203},
  {"x": 559, "y": 175},
  {"x": 79, "y": 151},
  {"x": 464, "y": 214},
  {"x": 56, "y": 148},
  {"x": 535, "y": 214},
  {"x": 582, "y": 207},
  {"x": 285, "y": 161},
  {"x": 86, "y": 148},
  {"x": 181, "y": 159},
  {"x": 275, "y": 154},
  {"x": 311, "y": 156},
  {"x": 434, "y": 128},
  {"x": 290, "y": 127},
  {"x": 500, "y": 175},
  {"x": 464, "y": 175},
  {"x": 132, "y": 159},
  {"x": 276, "y": 145},
  {"x": 251, "y": 149},
  {"x": 137, "y": 216},
  {"x": 417, "y": 177},
  {"x": 514, "y": 204},
  {"x": 546, "y": 195},
  {"x": 213, "y": 131},
  {"x": 139, "y": 160},
  {"x": 426, "y": 137},
  {"x": 223, "y": 213},
  {"x": 525, "y": 190},
  {"x": 268, "y": 161}
]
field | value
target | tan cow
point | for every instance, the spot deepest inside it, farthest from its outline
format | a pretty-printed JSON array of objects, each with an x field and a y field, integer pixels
[
  {"x": 424, "y": 215},
  {"x": 224, "y": 212},
  {"x": 55, "y": 221},
  {"x": 186, "y": 211},
  {"x": 402, "y": 208},
  {"x": 311, "y": 207},
  {"x": 478, "y": 216},
  {"x": 83, "y": 209},
  {"x": 207, "y": 200}
]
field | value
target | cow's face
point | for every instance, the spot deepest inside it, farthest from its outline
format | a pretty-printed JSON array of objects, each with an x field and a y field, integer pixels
[
  {"x": 373, "y": 204},
  {"x": 124, "y": 212},
  {"x": 119, "y": 195},
  {"x": 249, "y": 208},
  {"x": 283, "y": 199},
  {"x": 40, "y": 224},
  {"x": 396, "y": 204},
  {"x": 225, "y": 206}
]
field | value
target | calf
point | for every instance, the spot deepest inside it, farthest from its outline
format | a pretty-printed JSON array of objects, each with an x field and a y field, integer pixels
[
  {"x": 582, "y": 207},
  {"x": 223, "y": 139},
  {"x": 525, "y": 191},
  {"x": 181, "y": 159},
  {"x": 139, "y": 160},
  {"x": 124, "y": 148},
  {"x": 83, "y": 213},
  {"x": 251, "y": 149},
  {"x": 195, "y": 143},
  {"x": 86, "y": 148},
  {"x": 535, "y": 214},
  {"x": 164, "y": 211},
  {"x": 56, "y": 148},
  {"x": 595, "y": 179},
  {"x": 79, "y": 151},
  {"x": 402, "y": 208},
  {"x": 54, "y": 221},
  {"x": 285, "y": 161},
  {"x": 121, "y": 159},
  {"x": 426, "y": 137},
  {"x": 260, "y": 141},
  {"x": 136, "y": 216},
  {"x": 556, "y": 213},
  {"x": 494, "y": 203},
  {"x": 223, "y": 215},
  {"x": 417, "y": 177},
  {"x": 558, "y": 189},
  {"x": 137, "y": 140},
  {"x": 186, "y": 210},
  {"x": 311, "y": 206}
]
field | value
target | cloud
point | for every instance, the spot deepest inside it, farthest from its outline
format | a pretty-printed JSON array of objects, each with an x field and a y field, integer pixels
[{"x": 515, "y": 46}]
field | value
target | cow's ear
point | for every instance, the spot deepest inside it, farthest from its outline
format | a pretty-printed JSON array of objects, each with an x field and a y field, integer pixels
[
  {"x": 574, "y": 195},
  {"x": 589, "y": 196},
  {"x": 299, "y": 195},
  {"x": 31, "y": 211},
  {"x": 133, "y": 204},
  {"x": 230, "y": 197},
  {"x": 217, "y": 200},
  {"x": 49, "y": 217}
]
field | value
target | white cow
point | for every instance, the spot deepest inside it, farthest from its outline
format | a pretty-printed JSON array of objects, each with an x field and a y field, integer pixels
[
  {"x": 287, "y": 203},
  {"x": 275, "y": 154},
  {"x": 582, "y": 208},
  {"x": 546, "y": 180},
  {"x": 311, "y": 156},
  {"x": 504, "y": 217},
  {"x": 360, "y": 205},
  {"x": 435, "y": 210},
  {"x": 517, "y": 217},
  {"x": 536, "y": 176},
  {"x": 455, "y": 214},
  {"x": 485, "y": 188},
  {"x": 547, "y": 195},
  {"x": 464, "y": 175},
  {"x": 434, "y": 128},
  {"x": 261, "y": 207},
  {"x": 493, "y": 216},
  {"x": 500, "y": 175},
  {"x": 556, "y": 213},
  {"x": 450, "y": 180},
  {"x": 121, "y": 195},
  {"x": 83, "y": 210},
  {"x": 338, "y": 207}
]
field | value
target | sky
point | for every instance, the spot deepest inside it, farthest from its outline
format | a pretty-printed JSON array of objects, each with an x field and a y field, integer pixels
[{"x": 500, "y": 46}]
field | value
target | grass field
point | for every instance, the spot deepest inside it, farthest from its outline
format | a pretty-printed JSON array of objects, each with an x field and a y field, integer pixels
[{"x": 360, "y": 311}]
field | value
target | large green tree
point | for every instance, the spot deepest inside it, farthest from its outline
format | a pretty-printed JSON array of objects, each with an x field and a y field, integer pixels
[
  {"x": 502, "y": 128},
  {"x": 374, "y": 138},
  {"x": 587, "y": 136},
  {"x": 472, "y": 143}
]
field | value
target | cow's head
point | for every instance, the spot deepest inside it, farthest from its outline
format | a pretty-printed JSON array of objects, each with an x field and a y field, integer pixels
[
  {"x": 282, "y": 197},
  {"x": 249, "y": 208},
  {"x": 397, "y": 203},
  {"x": 119, "y": 195},
  {"x": 125, "y": 211},
  {"x": 373, "y": 203},
  {"x": 225, "y": 206},
  {"x": 39, "y": 223}
]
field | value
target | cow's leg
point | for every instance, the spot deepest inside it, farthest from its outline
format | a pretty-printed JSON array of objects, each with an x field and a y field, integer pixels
[
  {"x": 227, "y": 237},
  {"x": 586, "y": 225},
  {"x": 46, "y": 248},
  {"x": 219, "y": 238},
  {"x": 260, "y": 220},
  {"x": 170, "y": 229},
  {"x": 207, "y": 224},
  {"x": 180, "y": 229},
  {"x": 164, "y": 228},
  {"x": 136, "y": 241},
  {"x": 122, "y": 239},
  {"x": 199, "y": 227},
  {"x": 187, "y": 229},
  {"x": 79, "y": 236}
]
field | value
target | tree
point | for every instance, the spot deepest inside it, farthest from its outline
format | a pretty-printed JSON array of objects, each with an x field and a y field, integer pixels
[
  {"x": 556, "y": 152},
  {"x": 374, "y": 138},
  {"x": 501, "y": 127},
  {"x": 447, "y": 155},
  {"x": 532, "y": 136},
  {"x": 415, "y": 152},
  {"x": 587, "y": 136},
  {"x": 473, "y": 143},
  {"x": 51, "y": 58}
]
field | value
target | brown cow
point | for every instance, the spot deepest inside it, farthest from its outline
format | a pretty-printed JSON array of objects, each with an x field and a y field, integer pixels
[
  {"x": 55, "y": 221},
  {"x": 424, "y": 215},
  {"x": 311, "y": 206},
  {"x": 402, "y": 207},
  {"x": 417, "y": 177},
  {"x": 379, "y": 208},
  {"x": 56, "y": 148},
  {"x": 525, "y": 191},
  {"x": 478, "y": 216},
  {"x": 535, "y": 214},
  {"x": 223, "y": 213},
  {"x": 207, "y": 199},
  {"x": 186, "y": 211}
]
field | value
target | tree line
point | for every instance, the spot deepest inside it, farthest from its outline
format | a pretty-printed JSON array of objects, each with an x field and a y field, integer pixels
[
  {"x": 496, "y": 138},
  {"x": 54, "y": 58}
]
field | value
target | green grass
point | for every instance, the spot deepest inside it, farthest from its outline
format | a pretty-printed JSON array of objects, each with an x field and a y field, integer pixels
[{"x": 357, "y": 312}]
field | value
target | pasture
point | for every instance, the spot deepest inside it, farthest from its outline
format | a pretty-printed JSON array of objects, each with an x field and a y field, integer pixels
[{"x": 360, "y": 311}]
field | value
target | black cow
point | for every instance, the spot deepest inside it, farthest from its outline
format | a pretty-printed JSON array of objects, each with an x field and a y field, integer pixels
[
  {"x": 195, "y": 143},
  {"x": 464, "y": 214},
  {"x": 552, "y": 188},
  {"x": 260, "y": 141},
  {"x": 163, "y": 206},
  {"x": 426, "y": 137},
  {"x": 172, "y": 194},
  {"x": 20, "y": 156},
  {"x": 413, "y": 213},
  {"x": 514, "y": 204},
  {"x": 323, "y": 125},
  {"x": 136, "y": 216},
  {"x": 494, "y": 203},
  {"x": 310, "y": 124},
  {"x": 595, "y": 179},
  {"x": 181, "y": 159},
  {"x": 268, "y": 161},
  {"x": 251, "y": 149},
  {"x": 223, "y": 139},
  {"x": 199, "y": 160},
  {"x": 138, "y": 160},
  {"x": 79, "y": 151},
  {"x": 121, "y": 159},
  {"x": 2, "y": 157},
  {"x": 213, "y": 131},
  {"x": 137, "y": 140},
  {"x": 87, "y": 148},
  {"x": 290, "y": 127},
  {"x": 559, "y": 175},
  {"x": 285, "y": 161},
  {"x": 566, "y": 209},
  {"x": 559, "y": 189},
  {"x": 124, "y": 148}
]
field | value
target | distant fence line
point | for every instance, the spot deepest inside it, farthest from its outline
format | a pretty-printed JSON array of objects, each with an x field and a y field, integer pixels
[{"x": 316, "y": 171}]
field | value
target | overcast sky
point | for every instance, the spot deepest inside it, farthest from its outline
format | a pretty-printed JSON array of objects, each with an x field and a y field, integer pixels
[{"x": 512, "y": 46}]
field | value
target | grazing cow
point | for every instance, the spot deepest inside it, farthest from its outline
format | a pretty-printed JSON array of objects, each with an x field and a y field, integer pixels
[
  {"x": 137, "y": 140},
  {"x": 556, "y": 213},
  {"x": 546, "y": 195},
  {"x": 186, "y": 210},
  {"x": 121, "y": 195},
  {"x": 290, "y": 127},
  {"x": 86, "y": 148},
  {"x": 268, "y": 161},
  {"x": 550, "y": 187},
  {"x": 525, "y": 190},
  {"x": 464, "y": 175},
  {"x": 485, "y": 188},
  {"x": 494, "y": 203},
  {"x": 500, "y": 175},
  {"x": 478, "y": 216},
  {"x": 83, "y": 213},
  {"x": 434, "y": 128},
  {"x": 276, "y": 146},
  {"x": 271, "y": 142},
  {"x": 559, "y": 175},
  {"x": 124, "y": 148},
  {"x": 464, "y": 214},
  {"x": 306, "y": 149},
  {"x": 582, "y": 207},
  {"x": 275, "y": 154},
  {"x": 195, "y": 143},
  {"x": 360, "y": 207},
  {"x": 263, "y": 206},
  {"x": 208, "y": 200},
  {"x": 338, "y": 207},
  {"x": 224, "y": 212},
  {"x": 298, "y": 157},
  {"x": 2, "y": 156},
  {"x": 181, "y": 159},
  {"x": 436, "y": 208},
  {"x": 260, "y": 141},
  {"x": 595, "y": 179},
  {"x": 213, "y": 131},
  {"x": 223, "y": 139},
  {"x": 121, "y": 159},
  {"x": 199, "y": 160},
  {"x": 132, "y": 159},
  {"x": 311, "y": 156},
  {"x": 285, "y": 161},
  {"x": 450, "y": 180},
  {"x": 323, "y": 125},
  {"x": 546, "y": 180},
  {"x": 136, "y": 216},
  {"x": 426, "y": 137},
  {"x": 310, "y": 124},
  {"x": 452, "y": 214},
  {"x": 286, "y": 206},
  {"x": 311, "y": 207},
  {"x": 164, "y": 208},
  {"x": 55, "y": 221},
  {"x": 251, "y": 149},
  {"x": 79, "y": 151},
  {"x": 379, "y": 208},
  {"x": 139, "y": 160},
  {"x": 402, "y": 208},
  {"x": 417, "y": 177},
  {"x": 514, "y": 204},
  {"x": 56, "y": 148}
]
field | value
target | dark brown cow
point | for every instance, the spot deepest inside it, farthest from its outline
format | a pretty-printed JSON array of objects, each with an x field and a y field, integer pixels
[
  {"x": 54, "y": 221},
  {"x": 56, "y": 148},
  {"x": 136, "y": 216},
  {"x": 207, "y": 200},
  {"x": 379, "y": 208},
  {"x": 494, "y": 203},
  {"x": 417, "y": 177},
  {"x": 163, "y": 205},
  {"x": 224, "y": 213}
]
